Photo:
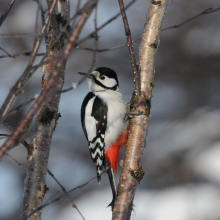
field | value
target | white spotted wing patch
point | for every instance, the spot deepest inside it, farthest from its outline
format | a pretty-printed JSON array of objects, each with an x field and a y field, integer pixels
[{"x": 95, "y": 124}]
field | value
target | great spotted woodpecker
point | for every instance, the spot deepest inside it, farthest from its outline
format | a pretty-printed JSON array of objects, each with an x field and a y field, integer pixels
[{"x": 103, "y": 122}]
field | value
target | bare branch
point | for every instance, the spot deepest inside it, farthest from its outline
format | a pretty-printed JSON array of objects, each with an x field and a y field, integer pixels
[
  {"x": 130, "y": 48},
  {"x": 37, "y": 44},
  {"x": 77, "y": 44},
  {"x": 17, "y": 35},
  {"x": 207, "y": 11},
  {"x": 45, "y": 122},
  {"x": 6, "y": 52},
  {"x": 14, "y": 137},
  {"x": 132, "y": 171},
  {"x": 19, "y": 164},
  {"x": 107, "y": 49},
  {"x": 88, "y": 9},
  {"x": 49, "y": 85},
  {"x": 26, "y": 74},
  {"x": 64, "y": 190},
  {"x": 76, "y": 12},
  {"x": 58, "y": 198},
  {"x": 51, "y": 197},
  {"x": 24, "y": 142},
  {"x": 26, "y": 145},
  {"x": 15, "y": 110},
  {"x": 5, "y": 136},
  {"x": 3, "y": 17},
  {"x": 20, "y": 54},
  {"x": 103, "y": 25},
  {"x": 95, "y": 42}
]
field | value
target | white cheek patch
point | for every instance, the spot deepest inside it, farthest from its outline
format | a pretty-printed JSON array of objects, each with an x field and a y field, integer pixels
[{"x": 109, "y": 82}]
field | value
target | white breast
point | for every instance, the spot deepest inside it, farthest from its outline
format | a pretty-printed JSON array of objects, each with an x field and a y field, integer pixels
[
  {"x": 116, "y": 112},
  {"x": 90, "y": 121}
]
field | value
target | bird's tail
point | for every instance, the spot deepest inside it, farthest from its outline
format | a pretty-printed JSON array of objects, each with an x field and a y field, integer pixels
[{"x": 109, "y": 171}]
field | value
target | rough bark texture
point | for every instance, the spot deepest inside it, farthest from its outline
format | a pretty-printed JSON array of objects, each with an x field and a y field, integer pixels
[
  {"x": 39, "y": 149},
  {"x": 132, "y": 172},
  {"x": 149, "y": 45},
  {"x": 38, "y": 153}
]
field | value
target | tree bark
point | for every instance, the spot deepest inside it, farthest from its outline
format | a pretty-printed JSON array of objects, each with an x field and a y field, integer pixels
[
  {"x": 132, "y": 172},
  {"x": 48, "y": 115},
  {"x": 47, "y": 118}
]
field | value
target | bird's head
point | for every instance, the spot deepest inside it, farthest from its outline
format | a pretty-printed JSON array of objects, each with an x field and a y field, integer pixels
[{"x": 102, "y": 78}]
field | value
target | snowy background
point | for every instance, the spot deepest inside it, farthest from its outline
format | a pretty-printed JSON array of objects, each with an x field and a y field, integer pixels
[{"x": 182, "y": 155}]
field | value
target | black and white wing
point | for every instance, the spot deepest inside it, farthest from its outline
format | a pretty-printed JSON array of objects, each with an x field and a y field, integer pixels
[{"x": 94, "y": 122}]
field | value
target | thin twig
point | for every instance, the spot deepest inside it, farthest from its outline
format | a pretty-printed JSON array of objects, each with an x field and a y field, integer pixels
[
  {"x": 207, "y": 11},
  {"x": 103, "y": 25},
  {"x": 3, "y": 17},
  {"x": 51, "y": 197},
  {"x": 19, "y": 164},
  {"x": 6, "y": 136},
  {"x": 37, "y": 44},
  {"x": 76, "y": 11},
  {"x": 17, "y": 35},
  {"x": 23, "y": 141},
  {"x": 22, "y": 105},
  {"x": 43, "y": 22},
  {"x": 107, "y": 49},
  {"x": 25, "y": 144},
  {"x": 49, "y": 85},
  {"x": 20, "y": 54},
  {"x": 79, "y": 42},
  {"x": 75, "y": 85},
  {"x": 65, "y": 192},
  {"x": 6, "y": 52},
  {"x": 130, "y": 48},
  {"x": 27, "y": 118},
  {"x": 95, "y": 42},
  {"x": 58, "y": 198},
  {"x": 26, "y": 74},
  {"x": 37, "y": 18}
]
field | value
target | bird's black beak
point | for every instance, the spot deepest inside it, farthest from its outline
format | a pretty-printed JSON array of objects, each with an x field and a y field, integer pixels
[{"x": 89, "y": 76}]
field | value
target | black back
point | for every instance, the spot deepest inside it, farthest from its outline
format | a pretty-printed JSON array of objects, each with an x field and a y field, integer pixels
[{"x": 99, "y": 112}]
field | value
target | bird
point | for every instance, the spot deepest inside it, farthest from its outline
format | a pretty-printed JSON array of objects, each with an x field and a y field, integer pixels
[{"x": 103, "y": 122}]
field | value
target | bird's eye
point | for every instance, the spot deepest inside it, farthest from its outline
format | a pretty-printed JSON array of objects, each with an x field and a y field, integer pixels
[{"x": 102, "y": 77}]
